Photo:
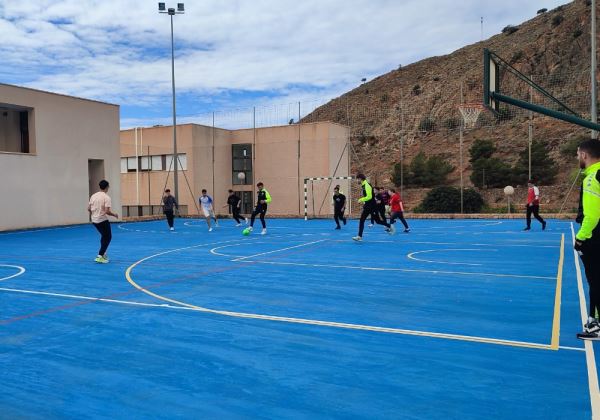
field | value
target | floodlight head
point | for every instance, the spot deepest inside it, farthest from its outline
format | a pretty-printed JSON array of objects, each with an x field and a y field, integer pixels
[
  {"x": 161, "y": 7},
  {"x": 171, "y": 11},
  {"x": 180, "y": 7}
]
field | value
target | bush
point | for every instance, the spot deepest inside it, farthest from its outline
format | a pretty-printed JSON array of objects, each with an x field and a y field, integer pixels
[
  {"x": 385, "y": 97},
  {"x": 557, "y": 20},
  {"x": 427, "y": 124},
  {"x": 492, "y": 172},
  {"x": 509, "y": 29},
  {"x": 577, "y": 33},
  {"x": 416, "y": 90},
  {"x": 544, "y": 10},
  {"x": 447, "y": 200},
  {"x": 569, "y": 149},
  {"x": 452, "y": 123}
]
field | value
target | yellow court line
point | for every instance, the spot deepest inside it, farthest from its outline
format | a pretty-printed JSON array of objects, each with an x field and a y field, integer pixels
[
  {"x": 458, "y": 337},
  {"x": 555, "y": 342}
]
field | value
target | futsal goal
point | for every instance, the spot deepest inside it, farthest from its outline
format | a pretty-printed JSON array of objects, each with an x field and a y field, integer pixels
[{"x": 318, "y": 195}]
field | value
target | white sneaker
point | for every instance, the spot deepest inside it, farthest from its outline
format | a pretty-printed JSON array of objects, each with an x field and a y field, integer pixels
[
  {"x": 357, "y": 238},
  {"x": 263, "y": 232},
  {"x": 371, "y": 225},
  {"x": 172, "y": 229},
  {"x": 246, "y": 220},
  {"x": 392, "y": 229},
  {"x": 238, "y": 225},
  {"x": 250, "y": 228},
  {"x": 210, "y": 229}
]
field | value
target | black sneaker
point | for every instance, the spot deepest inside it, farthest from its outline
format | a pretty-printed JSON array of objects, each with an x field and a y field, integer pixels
[
  {"x": 592, "y": 326},
  {"x": 544, "y": 225},
  {"x": 592, "y": 336},
  {"x": 527, "y": 228},
  {"x": 337, "y": 228}
]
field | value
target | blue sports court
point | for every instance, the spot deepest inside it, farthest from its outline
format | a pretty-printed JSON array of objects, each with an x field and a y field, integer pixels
[{"x": 457, "y": 319}]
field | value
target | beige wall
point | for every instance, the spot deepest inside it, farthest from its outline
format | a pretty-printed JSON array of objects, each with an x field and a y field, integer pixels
[
  {"x": 275, "y": 163},
  {"x": 50, "y": 186}
]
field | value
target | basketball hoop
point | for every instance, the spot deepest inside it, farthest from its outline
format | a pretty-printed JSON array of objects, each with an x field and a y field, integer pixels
[{"x": 470, "y": 113}]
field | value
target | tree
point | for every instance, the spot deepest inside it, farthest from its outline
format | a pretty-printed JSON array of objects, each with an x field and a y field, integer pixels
[
  {"x": 481, "y": 149},
  {"x": 543, "y": 168},
  {"x": 488, "y": 171},
  {"x": 424, "y": 172}
]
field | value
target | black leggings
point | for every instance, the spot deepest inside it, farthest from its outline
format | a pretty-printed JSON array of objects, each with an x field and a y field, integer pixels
[
  {"x": 106, "y": 235},
  {"x": 400, "y": 216},
  {"x": 170, "y": 217},
  {"x": 236, "y": 214},
  {"x": 338, "y": 215},
  {"x": 535, "y": 209},
  {"x": 366, "y": 212},
  {"x": 591, "y": 263},
  {"x": 262, "y": 210}
]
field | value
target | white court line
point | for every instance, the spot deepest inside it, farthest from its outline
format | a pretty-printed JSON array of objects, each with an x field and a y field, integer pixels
[
  {"x": 18, "y": 267},
  {"x": 405, "y": 270},
  {"x": 589, "y": 347},
  {"x": 454, "y": 243},
  {"x": 279, "y": 250},
  {"x": 571, "y": 348},
  {"x": 412, "y": 256},
  {"x": 459, "y": 337},
  {"x": 21, "y": 232}
]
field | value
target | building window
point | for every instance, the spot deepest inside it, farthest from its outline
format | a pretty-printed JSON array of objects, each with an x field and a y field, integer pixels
[
  {"x": 241, "y": 158},
  {"x": 181, "y": 163},
  {"x": 15, "y": 129},
  {"x": 123, "y": 165}
]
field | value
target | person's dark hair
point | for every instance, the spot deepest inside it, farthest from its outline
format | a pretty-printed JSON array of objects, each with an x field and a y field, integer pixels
[
  {"x": 230, "y": 191},
  {"x": 362, "y": 177},
  {"x": 260, "y": 184},
  {"x": 168, "y": 190},
  {"x": 393, "y": 190},
  {"x": 103, "y": 184},
  {"x": 530, "y": 181},
  {"x": 203, "y": 191},
  {"x": 591, "y": 147}
]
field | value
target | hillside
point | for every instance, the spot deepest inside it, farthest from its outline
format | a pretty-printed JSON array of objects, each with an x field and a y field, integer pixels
[{"x": 419, "y": 102}]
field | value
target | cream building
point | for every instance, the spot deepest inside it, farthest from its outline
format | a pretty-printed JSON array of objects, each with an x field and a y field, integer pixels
[
  {"x": 212, "y": 158},
  {"x": 54, "y": 149}
]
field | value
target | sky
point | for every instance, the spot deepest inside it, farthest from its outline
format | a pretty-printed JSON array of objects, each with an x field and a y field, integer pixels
[{"x": 232, "y": 55}]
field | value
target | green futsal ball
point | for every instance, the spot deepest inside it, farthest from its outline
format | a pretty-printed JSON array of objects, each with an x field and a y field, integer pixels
[{"x": 246, "y": 232}]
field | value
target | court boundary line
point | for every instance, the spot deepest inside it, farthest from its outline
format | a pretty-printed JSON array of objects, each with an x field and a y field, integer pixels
[
  {"x": 590, "y": 358},
  {"x": 538, "y": 346},
  {"x": 293, "y": 320},
  {"x": 412, "y": 257},
  {"x": 278, "y": 250},
  {"x": 555, "y": 341}
]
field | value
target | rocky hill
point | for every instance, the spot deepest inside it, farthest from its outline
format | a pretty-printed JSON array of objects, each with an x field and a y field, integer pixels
[{"x": 419, "y": 102}]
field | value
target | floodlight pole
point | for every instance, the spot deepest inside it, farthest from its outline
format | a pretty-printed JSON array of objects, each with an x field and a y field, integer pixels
[
  {"x": 594, "y": 108},
  {"x": 171, "y": 12}
]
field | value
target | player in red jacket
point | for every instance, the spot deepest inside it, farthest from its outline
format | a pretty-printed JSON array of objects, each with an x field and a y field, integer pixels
[
  {"x": 397, "y": 209},
  {"x": 533, "y": 205}
]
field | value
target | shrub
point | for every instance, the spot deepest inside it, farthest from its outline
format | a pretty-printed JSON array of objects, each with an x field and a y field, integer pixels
[
  {"x": 427, "y": 124},
  {"x": 384, "y": 97},
  {"x": 416, "y": 90},
  {"x": 452, "y": 123},
  {"x": 577, "y": 33},
  {"x": 447, "y": 200},
  {"x": 509, "y": 29},
  {"x": 569, "y": 149},
  {"x": 557, "y": 20},
  {"x": 492, "y": 172},
  {"x": 544, "y": 10}
]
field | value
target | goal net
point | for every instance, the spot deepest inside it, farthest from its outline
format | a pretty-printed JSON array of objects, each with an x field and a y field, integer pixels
[{"x": 318, "y": 195}]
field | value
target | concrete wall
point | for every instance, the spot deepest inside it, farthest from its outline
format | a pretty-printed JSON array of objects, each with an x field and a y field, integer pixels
[
  {"x": 50, "y": 186},
  {"x": 275, "y": 155}
]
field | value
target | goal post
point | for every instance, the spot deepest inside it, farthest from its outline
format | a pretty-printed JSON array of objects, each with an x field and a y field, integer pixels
[{"x": 326, "y": 193}]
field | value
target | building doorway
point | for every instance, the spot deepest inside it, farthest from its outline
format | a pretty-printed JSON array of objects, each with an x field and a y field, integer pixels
[{"x": 95, "y": 174}]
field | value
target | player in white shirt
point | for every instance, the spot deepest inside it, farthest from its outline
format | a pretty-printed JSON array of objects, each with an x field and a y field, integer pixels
[{"x": 206, "y": 203}]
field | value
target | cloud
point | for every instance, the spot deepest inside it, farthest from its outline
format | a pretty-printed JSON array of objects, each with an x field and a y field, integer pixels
[{"x": 231, "y": 53}]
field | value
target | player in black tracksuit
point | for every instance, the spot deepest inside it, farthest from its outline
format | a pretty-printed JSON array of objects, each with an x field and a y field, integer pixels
[
  {"x": 339, "y": 206},
  {"x": 233, "y": 201}
]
